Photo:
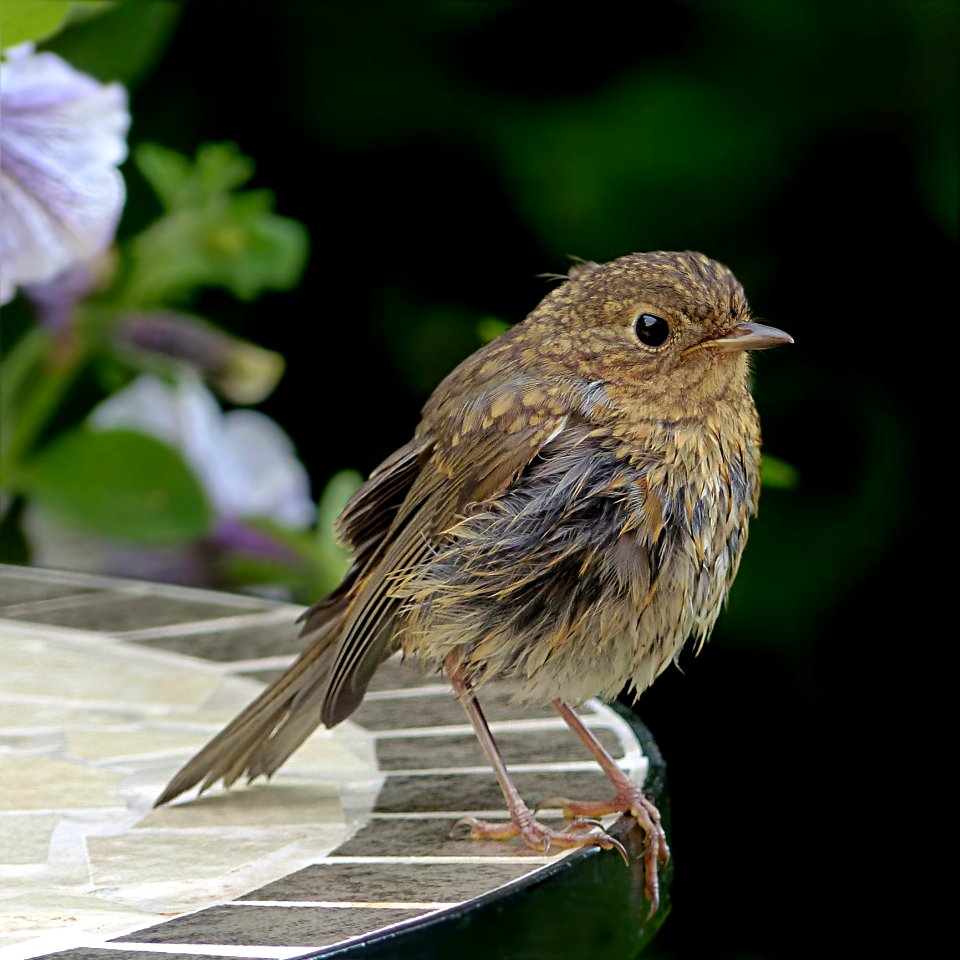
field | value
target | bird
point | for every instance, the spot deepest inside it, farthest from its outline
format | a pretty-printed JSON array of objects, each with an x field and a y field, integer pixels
[{"x": 570, "y": 512}]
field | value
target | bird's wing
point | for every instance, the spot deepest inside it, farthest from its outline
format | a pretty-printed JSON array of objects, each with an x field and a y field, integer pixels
[
  {"x": 478, "y": 446},
  {"x": 365, "y": 523}
]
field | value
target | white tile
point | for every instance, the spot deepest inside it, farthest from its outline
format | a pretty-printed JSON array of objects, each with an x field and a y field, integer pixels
[
  {"x": 25, "y": 838},
  {"x": 43, "y": 783}
]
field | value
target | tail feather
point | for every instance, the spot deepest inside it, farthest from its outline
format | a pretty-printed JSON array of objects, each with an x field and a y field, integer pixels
[
  {"x": 304, "y": 718},
  {"x": 264, "y": 735}
]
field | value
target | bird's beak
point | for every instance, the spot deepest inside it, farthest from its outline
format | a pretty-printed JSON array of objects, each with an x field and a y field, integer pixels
[{"x": 749, "y": 336}]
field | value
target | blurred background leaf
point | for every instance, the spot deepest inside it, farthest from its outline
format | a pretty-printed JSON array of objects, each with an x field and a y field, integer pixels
[
  {"x": 119, "y": 484},
  {"x": 777, "y": 474},
  {"x": 210, "y": 236},
  {"x": 334, "y": 560},
  {"x": 123, "y": 40},
  {"x": 23, "y": 21}
]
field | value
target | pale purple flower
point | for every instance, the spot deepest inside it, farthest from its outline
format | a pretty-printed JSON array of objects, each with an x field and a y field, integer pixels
[{"x": 62, "y": 136}]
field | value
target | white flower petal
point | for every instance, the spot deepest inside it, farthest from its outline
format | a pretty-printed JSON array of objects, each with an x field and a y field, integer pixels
[
  {"x": 258, "y": 473},
  {"x": 62, "y": 135},
  {"x": 145, "y": 405}
]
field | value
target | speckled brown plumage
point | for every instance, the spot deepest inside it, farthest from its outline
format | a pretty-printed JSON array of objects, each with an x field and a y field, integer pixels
[{"x": 572, "y": 508}]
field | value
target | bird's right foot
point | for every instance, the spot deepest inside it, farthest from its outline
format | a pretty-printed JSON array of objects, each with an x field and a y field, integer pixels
[{"x": 538, "y": 836}]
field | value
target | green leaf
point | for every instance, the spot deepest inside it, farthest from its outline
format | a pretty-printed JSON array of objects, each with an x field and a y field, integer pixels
[
  {"x": 167, "y": 171},
  {"x": 36, "y": 377},
  {"x": 22, "y": 365},
  {"x": 219, "y": 168},
  {"x": 777, "y": 474},
  {"x": 83, "y": 10},
  {"x": 332, "y": 559},
  {"x": 489, "y": 328},
  {"x": 30, "y": 20},
  {"x": 211, "y": 236},
  {"x": 122, "y": 41},
  {"x": 252, "y": 249},
  {"x": 119, "y": 484}
]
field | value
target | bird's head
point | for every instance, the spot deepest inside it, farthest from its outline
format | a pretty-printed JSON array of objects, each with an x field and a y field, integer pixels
[{"x": 668, "y": 328}]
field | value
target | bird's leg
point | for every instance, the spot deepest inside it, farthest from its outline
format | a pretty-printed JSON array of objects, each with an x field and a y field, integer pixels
[
  {"x": 523, "y": 824},
  {"x": 628, "y": 798}
]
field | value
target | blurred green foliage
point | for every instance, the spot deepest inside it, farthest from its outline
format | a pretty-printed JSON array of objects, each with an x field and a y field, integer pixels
[
  {"x": 119, "y": 484},
  {"x": 209, "y": 235},
  {"x": 23, "y": 21},
  {"x": 117, "y": 39},
  {"x": 448, "y": 152}
]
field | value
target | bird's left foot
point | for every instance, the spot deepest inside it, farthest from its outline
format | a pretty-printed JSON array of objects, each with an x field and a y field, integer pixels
[{"x": 628, "y": 799}]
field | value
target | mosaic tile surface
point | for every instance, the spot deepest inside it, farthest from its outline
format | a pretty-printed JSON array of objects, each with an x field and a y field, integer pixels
[{"x": 108, "y": 686}]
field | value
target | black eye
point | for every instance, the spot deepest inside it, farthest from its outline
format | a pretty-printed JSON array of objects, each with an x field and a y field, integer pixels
[{"x": 651, "y": 330}]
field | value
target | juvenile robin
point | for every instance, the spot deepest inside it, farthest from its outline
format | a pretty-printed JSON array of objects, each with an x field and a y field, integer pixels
[{"x": 571, "y": 509}]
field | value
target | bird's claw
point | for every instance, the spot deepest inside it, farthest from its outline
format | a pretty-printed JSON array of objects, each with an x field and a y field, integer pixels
[
  {"x": 538, "y": 836},
  {"x": 656, "y": 852}
]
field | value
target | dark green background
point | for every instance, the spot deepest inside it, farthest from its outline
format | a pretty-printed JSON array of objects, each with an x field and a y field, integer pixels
[{"x": 444, "y": 154}]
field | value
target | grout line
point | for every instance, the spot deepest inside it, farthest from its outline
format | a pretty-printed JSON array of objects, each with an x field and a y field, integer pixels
[
  {"x": 209, "y": 949},
  {"x": 279, "y": 662},
  {"x": 56, "y": 631},
  {"x": 12, "y": 611},
  {"x": 148, "y": 710},
  {"x": 493, "y": 814},
  {"x": 349, "y": 904},
  {"x": 409, "y": 693},
  {"x": 634, "y": 760},
  {"x": 118, "y": 808},
  {"x": 139, "y": 587},
  {"x": 595, "y": 721},
  {"x": 192, "y": 628},
  {"x": 66, "y": 938},
  {"x": 501, "y": 813},
  {"x": 534, "y": 860},
  {"x": 546, "y": 766},
  {"x": 531, "y": 725}
]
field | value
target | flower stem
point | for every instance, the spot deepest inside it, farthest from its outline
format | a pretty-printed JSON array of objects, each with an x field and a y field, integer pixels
[{"x": 36, "y": 375}]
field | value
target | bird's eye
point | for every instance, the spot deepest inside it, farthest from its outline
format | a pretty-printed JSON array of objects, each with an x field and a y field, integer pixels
[{"x": 651, "y": 330}]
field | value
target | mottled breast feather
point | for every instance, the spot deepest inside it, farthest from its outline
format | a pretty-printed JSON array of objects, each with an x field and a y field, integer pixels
[{"x": 587, "y": 574}]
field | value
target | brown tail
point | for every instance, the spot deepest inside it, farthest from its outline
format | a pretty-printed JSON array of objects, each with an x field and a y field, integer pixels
[
  {"x": 289, "y": 710},
  {"x": 264, "y": 735}
]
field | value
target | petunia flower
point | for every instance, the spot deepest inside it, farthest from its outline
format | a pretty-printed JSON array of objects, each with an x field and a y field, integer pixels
[
  {"x": 62, "y": 137},
  {"x": 245, "y": 462}
]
